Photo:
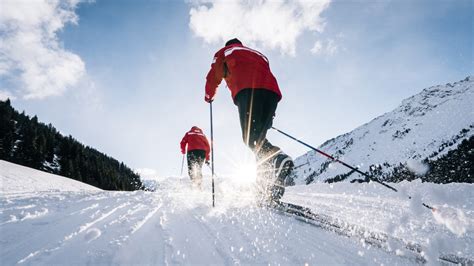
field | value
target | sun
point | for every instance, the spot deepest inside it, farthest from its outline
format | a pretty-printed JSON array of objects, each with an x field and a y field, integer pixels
[{"x": 245, "y": 172}]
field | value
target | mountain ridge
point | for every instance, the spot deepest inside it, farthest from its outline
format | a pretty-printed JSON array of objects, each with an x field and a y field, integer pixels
[{"x": 422, "y": 129}]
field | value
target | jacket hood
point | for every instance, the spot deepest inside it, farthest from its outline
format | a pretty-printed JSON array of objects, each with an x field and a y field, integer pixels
[
  {"x": 195, "y": 128},
  {"x": 233, "y": 41},
  {"x": 234, "y": 45}
]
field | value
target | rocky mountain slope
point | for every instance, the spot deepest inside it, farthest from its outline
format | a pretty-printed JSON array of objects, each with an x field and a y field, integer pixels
[{"x": 430, "y": 135}]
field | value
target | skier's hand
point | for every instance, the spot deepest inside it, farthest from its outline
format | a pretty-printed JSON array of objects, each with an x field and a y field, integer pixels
[
  {"x": 208, "y": 163},
  {"x": 207, "y": 99}
]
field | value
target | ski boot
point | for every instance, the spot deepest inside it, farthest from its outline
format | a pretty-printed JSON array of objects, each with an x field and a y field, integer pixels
[
  {"x": 271, "y": 179},
  {"x": 283, "y": 168}
]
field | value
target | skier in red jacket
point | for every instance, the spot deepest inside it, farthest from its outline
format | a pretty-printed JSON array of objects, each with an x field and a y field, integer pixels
[
  {"x": 256, "y": 93},
  {"x": 197, "y": 146}
]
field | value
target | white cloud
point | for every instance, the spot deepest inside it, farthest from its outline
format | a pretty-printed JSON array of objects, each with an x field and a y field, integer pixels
[
  {"x": 31, "y": 56},
  {"x": 328, "y": 47},
  {"x": 89, "y": 96},
  {"x": 4, "y": 95},
  {"x": 317, "y": 48},
  {"x": 331, "y": 47},
  {"x": 272, "y": 24}
]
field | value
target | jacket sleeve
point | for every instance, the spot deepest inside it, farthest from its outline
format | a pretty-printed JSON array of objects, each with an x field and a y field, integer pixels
[
  {"x": 184, "y": 141},
  {"x": 215, "y": 76}
]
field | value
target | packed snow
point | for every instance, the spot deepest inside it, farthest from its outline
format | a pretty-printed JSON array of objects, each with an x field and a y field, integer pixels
[
  {"x": 449, "y": 229},
  {"x": 64, "y": 223}
]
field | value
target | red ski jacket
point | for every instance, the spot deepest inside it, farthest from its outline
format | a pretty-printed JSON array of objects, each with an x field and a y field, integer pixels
[
  {"x": 195, "y": 140},
  {"x": 242, "y": 68}
]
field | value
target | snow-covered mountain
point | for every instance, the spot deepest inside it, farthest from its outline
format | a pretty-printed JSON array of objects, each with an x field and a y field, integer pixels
[{"x": 424, "y": 128}]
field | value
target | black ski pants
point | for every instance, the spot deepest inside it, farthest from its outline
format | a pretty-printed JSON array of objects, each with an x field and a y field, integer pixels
[
  {"x": 256, "y": 111},
  {"x": 196, "y": 159}
]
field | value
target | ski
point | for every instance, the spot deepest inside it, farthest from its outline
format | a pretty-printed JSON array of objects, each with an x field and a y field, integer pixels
[{"x": 376, "y": 239}]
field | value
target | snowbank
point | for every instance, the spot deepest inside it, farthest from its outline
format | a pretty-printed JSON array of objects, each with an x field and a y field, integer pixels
[{"x": 16, "y": 178}]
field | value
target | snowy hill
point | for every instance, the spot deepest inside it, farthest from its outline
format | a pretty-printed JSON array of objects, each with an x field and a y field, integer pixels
[
  {"x": 17, "y": 178},
  {"x": 425, "y": 126},
  {"x": 51, "y": 220},
  {"x": 27, "y": 141}
]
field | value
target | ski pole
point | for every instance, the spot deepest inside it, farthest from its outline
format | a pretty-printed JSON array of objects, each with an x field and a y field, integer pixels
[
  {"x": 212, "y": 155},
  {"x": 346, "y": 165},
  {"x": 182, "y": 165}
]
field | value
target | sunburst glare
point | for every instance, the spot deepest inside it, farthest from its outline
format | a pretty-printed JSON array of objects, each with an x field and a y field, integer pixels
[
  {"x": 245, "y": 172},
  {"x": 243, "y": 168}
]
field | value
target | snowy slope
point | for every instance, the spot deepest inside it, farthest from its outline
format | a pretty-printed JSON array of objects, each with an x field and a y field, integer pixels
[
  {"x": 426, "y": 125},
  {"x": 177, "y": 225},
  {"x": 450, "y": 229},
  {"x": 17, "y": 178}
]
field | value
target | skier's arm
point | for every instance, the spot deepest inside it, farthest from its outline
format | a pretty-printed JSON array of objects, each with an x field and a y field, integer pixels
[
  {"x": 183, "y": 143},
  {"x": 215, "y": 76}
]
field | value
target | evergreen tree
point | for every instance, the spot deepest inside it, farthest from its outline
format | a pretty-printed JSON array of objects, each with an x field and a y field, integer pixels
[
  {"x": 25, "y": 141},
  {"x": 7, "y": 130}
]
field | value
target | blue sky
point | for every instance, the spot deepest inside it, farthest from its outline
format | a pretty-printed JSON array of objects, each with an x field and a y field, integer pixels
[{"x": 127, "y": 77}]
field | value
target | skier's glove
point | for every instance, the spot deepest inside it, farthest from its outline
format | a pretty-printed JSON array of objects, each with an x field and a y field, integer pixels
[
  {"x": 208, "y": 163},
  {"x": 208, "y": 99}
]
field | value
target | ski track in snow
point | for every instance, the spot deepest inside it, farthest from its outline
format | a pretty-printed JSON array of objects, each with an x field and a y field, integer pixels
[
  {"x": 138, "y": 225},
  {"x": 449, "y": 230},
  {"x": 176, "y": 225}
]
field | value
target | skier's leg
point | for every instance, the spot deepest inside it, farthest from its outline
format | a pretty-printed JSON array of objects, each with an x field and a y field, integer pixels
[
  {"x": 256, "y": 116},
  {"x": 268, "y": 101},
  {"x": 281, "y": 164},
  {"x": 190, "y": 158},
  {"x": 246, "y": 103},
  {"x": 192, "y": 166},
  {"x": 249, "y": 108},
  {"x": 256, "y": 111},
  {"x": 201, "y": 157},
  {"x": 264, "y": 150}
]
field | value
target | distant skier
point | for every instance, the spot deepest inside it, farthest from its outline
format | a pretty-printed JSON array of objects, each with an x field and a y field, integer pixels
[
  {"x": 197, "y": 147},
  {"x": 256, "y": 93}
]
